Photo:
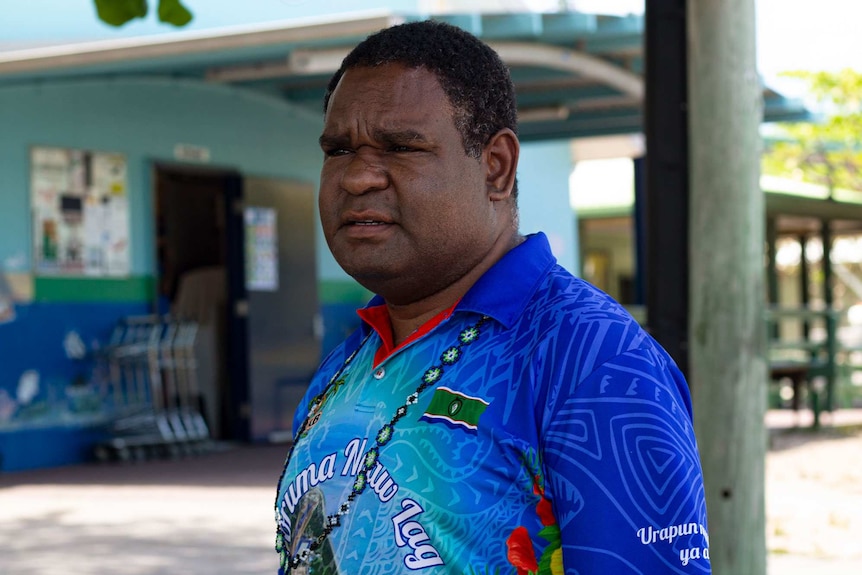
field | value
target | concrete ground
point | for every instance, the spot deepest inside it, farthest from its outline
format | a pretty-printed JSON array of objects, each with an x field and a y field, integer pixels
[{"x": 213, "y": 514}]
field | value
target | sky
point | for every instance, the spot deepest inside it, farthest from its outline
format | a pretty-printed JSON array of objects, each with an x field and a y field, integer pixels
[{"x": 792, "y": 34}]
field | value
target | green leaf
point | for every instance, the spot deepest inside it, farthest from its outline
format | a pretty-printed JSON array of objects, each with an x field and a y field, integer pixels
[
  {"x": 551, "y": 534},
  {"x": 118, "y": 12},
  {"x": 545, "y": 560},
  {"x": 173, "y": 12}
]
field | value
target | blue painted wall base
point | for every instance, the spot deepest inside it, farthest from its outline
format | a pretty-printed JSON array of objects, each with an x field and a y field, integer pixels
[
  {"x": 53, "y": 446},
  {"x": 54, "y": 419}
]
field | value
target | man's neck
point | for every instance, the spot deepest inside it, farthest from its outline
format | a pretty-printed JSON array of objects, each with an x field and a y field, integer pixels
[{"x": 409, "y": 317}]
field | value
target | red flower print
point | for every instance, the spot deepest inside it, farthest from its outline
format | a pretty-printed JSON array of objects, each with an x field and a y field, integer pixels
[
  {"x": 537, "y": 488},
  {"x": 543, "y": 508},
  {"x": 521, "y": 553},
  {"x": 545, "y": 512}
]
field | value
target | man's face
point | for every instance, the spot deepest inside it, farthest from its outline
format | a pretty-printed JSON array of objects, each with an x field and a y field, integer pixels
[{"x": 404, "y": 210}]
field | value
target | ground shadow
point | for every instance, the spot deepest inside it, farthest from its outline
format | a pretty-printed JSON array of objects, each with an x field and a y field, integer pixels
[
  {"x": 228, "y": 466},
  {"x": 783, "y": 439}
]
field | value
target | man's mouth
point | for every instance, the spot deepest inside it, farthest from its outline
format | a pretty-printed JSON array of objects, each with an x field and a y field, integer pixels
[{"x": 371, "y": 221}]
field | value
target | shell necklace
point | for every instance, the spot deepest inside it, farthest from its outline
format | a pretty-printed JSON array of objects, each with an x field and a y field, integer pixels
[{"x": 431, "y": 376}]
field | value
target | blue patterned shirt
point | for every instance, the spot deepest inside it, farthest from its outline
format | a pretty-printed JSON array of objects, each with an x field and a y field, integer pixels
[{"x": 549, "y": 434}]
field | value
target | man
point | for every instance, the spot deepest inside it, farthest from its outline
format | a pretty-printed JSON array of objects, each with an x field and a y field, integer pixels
[{"x": 493, "y": 414}]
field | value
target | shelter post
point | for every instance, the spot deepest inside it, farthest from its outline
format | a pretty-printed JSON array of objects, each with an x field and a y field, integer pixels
[
  {"x": 772, "y": 274},
  {"x": 831, "y": 318},
  {"x": 666, "y": 176},
  {"x": 727, "y": 322}
]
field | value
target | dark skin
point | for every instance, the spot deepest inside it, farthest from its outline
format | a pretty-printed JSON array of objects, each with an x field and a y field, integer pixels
[{"x": 404, "y": 209}]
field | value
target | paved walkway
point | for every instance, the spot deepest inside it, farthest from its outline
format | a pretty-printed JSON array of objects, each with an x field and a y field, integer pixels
[{"x": 212, "y": 514}]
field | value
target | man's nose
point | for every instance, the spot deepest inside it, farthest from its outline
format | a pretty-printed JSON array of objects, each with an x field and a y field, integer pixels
[{"x": 365, "y": 173}]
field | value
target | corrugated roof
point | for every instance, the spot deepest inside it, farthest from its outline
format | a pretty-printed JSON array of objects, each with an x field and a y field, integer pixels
[{"x": 575, "y": 74}]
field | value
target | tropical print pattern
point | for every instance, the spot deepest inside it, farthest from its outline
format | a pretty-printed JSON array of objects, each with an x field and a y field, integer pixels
[
  {"x": 557, "y": 438},
  {"x": 521, "y": 553}
]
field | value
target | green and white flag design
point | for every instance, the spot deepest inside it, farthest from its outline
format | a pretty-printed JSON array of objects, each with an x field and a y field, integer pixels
[{"x": 455, "y": 409}]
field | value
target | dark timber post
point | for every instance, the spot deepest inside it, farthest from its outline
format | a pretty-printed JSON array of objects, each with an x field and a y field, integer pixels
[
  {"x": 728, "y": 338},
  {"x": 831, "y": 317},
  {"x": 666, "y": 176},
  {"x": 772, "y": 275}
]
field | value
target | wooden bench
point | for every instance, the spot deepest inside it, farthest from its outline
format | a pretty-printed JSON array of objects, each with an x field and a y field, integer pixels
[{"x": 798, "y": 374}]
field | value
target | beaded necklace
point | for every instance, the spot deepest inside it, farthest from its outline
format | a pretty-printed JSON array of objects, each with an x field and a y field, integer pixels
[{"x": 431, "y": 376}]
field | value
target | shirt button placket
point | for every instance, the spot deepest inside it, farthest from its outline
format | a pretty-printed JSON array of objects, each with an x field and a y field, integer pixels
[{"x": 379, "y": 373}]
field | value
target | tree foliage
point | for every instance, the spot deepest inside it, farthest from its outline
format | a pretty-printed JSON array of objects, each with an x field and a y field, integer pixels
[
  {"x": 828, "y": 152},
  {"x": 119, "y": 12}
]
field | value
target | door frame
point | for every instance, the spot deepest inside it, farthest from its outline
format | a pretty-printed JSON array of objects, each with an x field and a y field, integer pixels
[{"x": 236, "y": 313}]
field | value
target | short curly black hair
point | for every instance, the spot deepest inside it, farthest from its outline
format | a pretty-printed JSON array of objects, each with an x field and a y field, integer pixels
[{"x": 472, "y": 75}]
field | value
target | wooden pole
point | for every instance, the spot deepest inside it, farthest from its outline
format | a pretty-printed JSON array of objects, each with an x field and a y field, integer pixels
[{"x": 726, "y": 324}]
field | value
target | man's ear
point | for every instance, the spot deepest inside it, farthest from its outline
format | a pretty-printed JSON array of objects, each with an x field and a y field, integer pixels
[{"x": 501, "y": 160}]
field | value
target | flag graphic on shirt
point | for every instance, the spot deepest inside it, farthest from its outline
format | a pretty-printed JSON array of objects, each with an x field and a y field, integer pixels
[{"x": 455, "y": 409}]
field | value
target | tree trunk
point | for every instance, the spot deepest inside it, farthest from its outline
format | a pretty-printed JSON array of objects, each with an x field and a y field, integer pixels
[{"x": 726, "y": 323}]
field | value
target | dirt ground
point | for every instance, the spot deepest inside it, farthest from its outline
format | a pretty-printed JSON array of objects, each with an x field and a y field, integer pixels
[{"x": 814, "y": 500}]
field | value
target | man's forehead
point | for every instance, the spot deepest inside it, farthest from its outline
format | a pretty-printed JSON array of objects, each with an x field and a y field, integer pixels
[
  {"x": 396, "y": 98},
  {"x": 383, "y": 78}
]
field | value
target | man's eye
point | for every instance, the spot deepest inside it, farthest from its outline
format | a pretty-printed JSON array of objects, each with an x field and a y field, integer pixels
[
  {"x": 332, "y": 152},
  {"x": 400, "y": 149}
]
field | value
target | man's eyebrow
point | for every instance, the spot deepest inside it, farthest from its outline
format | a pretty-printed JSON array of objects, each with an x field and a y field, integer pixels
[
  {"x": 381, "y": 135},
  {"x": 399, "y": 136},
  {"x": 329, "y": 141}
]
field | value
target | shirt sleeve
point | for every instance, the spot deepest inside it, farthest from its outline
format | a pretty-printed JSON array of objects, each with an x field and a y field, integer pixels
[{"x": 622, "y": 468}]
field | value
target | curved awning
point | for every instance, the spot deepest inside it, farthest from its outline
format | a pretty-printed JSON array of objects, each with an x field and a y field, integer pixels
[{"x": 576, "y": 75}]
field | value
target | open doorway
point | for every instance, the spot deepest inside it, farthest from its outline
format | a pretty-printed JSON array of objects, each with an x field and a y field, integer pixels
[
  {"x": 194, "y": 268},
  {"x": 236, "y": 254}
]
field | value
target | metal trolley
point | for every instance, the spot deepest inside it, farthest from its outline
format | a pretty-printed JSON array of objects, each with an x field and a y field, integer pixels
[{"x": 153, "y": 390}]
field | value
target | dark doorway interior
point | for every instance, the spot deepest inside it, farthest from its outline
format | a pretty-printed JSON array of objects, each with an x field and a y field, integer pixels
[{"x": 194, "y": 266}]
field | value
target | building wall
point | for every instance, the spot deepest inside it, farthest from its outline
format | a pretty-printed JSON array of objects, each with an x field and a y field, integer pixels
[
  {"x": 143, "y": 119},
  {"x": 543, "y": 180}
]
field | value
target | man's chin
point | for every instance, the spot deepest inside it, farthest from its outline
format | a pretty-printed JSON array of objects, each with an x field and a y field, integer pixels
[
  {"x": 390, "y": 286},
  {"x": 373, "y": 279}
]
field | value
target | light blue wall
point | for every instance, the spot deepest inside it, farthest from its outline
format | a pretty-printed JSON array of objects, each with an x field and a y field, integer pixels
[
  {"x": 144, "y": 119},
  {"x": 543, "y": 181}
]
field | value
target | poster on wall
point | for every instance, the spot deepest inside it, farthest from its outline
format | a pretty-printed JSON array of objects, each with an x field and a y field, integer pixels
[
  {"x": 80, "y": 209},
  {"x": 261, "y": 249}
]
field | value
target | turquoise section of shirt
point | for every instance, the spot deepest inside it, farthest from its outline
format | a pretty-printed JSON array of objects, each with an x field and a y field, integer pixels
[{"x": 439, "y": 498}]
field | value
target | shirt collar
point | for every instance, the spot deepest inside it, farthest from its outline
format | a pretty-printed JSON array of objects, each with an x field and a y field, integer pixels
[{"x": 504, "y": 290}]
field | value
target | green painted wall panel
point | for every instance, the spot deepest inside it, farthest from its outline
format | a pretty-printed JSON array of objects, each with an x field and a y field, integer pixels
[
  {"x": 142, "y": 289},
  {"x": 133, "y": 289}
]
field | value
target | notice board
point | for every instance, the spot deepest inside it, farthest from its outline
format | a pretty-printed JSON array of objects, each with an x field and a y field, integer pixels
[{"x": 80, "y": 205}]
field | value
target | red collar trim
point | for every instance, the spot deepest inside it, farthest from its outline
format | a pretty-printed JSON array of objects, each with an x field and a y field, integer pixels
[{"x": 378, "y": 318}]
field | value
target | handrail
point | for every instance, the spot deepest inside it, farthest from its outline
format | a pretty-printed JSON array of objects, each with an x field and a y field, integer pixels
[
  {"x": 779, "y": 312},
  {"x": 828, "y": 353}
]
